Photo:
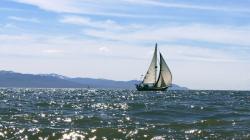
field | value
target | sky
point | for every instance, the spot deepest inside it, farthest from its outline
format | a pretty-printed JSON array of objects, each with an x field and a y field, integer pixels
[{"x": 205, "y": 43}]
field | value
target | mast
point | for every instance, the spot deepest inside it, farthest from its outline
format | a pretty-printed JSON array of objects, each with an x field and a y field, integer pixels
[
  {"x": 151, "y": 75},
  {"x": 155, "y": 53}
]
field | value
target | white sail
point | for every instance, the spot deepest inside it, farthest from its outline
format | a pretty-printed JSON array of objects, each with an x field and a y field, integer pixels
[
  {"x": 165, "y": 76},
  {"x": 151, "y": 75}
]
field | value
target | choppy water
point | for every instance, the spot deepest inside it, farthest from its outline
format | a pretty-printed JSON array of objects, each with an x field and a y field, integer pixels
[{"x": 123, "y": 114}]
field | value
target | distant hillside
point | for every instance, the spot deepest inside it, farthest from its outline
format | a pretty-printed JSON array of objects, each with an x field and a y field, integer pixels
[
  {"x": 13, "y": 79},
  {"x": 104, "y": 83},
  {"x": 176, "y": 87}
]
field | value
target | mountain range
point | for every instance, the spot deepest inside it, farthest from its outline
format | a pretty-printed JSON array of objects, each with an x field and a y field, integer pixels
[{"x": 19, "y": 80}]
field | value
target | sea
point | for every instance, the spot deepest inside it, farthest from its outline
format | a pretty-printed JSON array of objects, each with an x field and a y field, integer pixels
[{"x": 103, "y": 114}]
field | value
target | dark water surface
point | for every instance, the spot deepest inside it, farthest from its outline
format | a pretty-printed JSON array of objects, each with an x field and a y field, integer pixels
[{"x": 123, "y": 114}]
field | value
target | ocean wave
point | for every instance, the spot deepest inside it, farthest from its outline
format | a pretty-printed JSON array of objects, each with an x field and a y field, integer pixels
[{"x": 123, "y": 114}]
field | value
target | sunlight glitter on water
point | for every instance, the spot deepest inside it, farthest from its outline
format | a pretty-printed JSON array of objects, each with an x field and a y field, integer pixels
[
  {"x": 123, "y": 114},
  {"x": 72, "y": 136}
]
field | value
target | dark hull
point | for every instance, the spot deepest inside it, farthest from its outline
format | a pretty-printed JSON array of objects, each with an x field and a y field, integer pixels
[{"x": 139, "y": 88}]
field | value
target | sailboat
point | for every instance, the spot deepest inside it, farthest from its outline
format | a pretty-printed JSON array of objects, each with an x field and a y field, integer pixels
[{"x": 154, "y": 80}]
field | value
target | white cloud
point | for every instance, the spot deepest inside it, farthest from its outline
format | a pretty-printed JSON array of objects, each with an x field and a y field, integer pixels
[
  {"x": 53, "y": 51},
  {"x": 120, "y": 8},
  {"x": 77, "y": 20},
  {"x": 194, "y": 32},
  {"x": 24, "y": 19},
  {"x": 5, "y": 38},
  {"x": 112, "y": 30},
  {"x": 10, "y": 25},
  {"x": 55, "y": 5},
  {"x": 79, "y": 6},
  {"x": 104, "y": 49},
  {"x": 85, "y": 21},
  {"x": 122, "y": 47},
  {"x": 186, "y": 62},
  {"x": 188, "y": 6}
]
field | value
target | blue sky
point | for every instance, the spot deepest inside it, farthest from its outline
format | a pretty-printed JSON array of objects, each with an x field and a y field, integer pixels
[{"x": 205, "y": 42}]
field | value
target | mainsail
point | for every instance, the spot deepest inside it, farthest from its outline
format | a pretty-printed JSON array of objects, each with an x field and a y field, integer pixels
[
  {"x": 151, "y": 75},
  {"x": 165, "y": 76}
]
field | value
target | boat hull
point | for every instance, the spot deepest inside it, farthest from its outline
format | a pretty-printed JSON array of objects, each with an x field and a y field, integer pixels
[{"x": 146, "y": 88}]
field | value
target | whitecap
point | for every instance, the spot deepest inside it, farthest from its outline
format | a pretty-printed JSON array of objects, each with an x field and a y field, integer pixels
[
  {"x": 72, "y": 136},
  {"x": 93, "y": 138},
  {"x": 192, "y": 131},
  {"x": 67, "y": 120},
  {"x": 158, "y": 138},
  {"x": 132, "y": 133},
  {"x": 127, "y": 118},
  {"x": 93, "y": 130},
  {"x": 2, "y": 134}
]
